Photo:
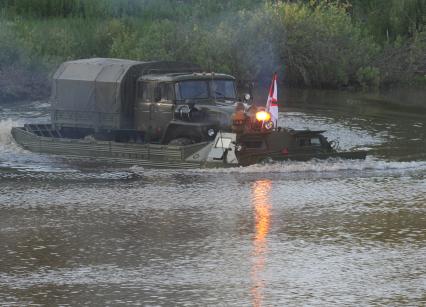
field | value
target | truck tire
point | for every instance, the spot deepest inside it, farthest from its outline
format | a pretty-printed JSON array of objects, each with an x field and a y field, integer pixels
[{"x": 181, "y": 142}]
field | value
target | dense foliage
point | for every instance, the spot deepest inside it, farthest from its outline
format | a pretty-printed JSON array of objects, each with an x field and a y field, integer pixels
[{"x": 313, "y": 43}]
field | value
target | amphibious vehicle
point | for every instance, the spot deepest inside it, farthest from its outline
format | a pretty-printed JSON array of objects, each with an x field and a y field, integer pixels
[{"x": 162, "y": 114}]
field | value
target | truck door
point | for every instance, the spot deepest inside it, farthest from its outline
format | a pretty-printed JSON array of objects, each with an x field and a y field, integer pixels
[
  {"x": 144, "y": 100},
  {"x": 154, "y": 108},
  {"x": 162, "y": 112}
]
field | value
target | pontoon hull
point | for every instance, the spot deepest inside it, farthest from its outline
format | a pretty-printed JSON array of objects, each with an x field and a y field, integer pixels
[{"x": 206, "y": 154}]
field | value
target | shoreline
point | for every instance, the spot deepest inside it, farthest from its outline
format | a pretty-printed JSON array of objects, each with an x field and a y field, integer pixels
[
  {"x": 21, "y": 84},
  {"x": 18, "y": 84}
]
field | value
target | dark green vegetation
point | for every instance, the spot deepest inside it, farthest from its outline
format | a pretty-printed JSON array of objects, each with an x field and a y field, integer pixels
[{"x": 312, "y": 43}]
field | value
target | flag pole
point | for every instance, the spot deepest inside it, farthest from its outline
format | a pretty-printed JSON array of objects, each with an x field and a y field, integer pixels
[{"x": 272, "y": 101}]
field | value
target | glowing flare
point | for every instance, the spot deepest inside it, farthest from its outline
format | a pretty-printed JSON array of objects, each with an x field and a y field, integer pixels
[
  {"x": 262, "y": 214},
  {"x": 263, "y": 116}
]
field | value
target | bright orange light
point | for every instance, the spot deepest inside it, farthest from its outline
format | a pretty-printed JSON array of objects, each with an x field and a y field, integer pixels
[
  {"x": 262, "y": 208},
  {"x": 262, "y": 215},
  {"x": 263, "y": 116}
]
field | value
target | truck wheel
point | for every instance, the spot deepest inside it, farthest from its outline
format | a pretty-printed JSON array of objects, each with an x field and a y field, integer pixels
[{"x": 181, "y": 142}]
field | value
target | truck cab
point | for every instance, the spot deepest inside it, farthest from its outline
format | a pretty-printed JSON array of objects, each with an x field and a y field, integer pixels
[{"x": 183, "y": 108}]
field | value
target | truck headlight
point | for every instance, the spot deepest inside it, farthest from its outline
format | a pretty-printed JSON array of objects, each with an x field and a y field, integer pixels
[
  {"x": 210, "y": 132},
  {"x": 269, "y": 125},
  {"x": 263, "y": 116}
]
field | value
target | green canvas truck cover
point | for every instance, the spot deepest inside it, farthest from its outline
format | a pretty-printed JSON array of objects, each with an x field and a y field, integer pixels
[{"x": 93, "y": 93}]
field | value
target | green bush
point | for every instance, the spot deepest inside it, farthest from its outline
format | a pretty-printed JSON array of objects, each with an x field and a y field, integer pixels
[
  {"x": 310, "y": 43},
  {"x": 21, "y": 77},
  {"x": 368, "y": 77},
  {"x": 322, "y": 47},
  {"x": 11, "y": 50}
]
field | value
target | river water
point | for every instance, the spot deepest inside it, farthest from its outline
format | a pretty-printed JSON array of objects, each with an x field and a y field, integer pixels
[{"x": 317, "y": 233}]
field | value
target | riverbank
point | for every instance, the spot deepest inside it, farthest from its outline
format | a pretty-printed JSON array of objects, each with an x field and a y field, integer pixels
[
  {"x": 311, "y": 45},
  {"x": 19, "y": 84}
]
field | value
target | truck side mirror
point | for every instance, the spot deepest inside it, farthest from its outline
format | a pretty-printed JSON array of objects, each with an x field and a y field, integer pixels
[{"x": 157, "y": 94}]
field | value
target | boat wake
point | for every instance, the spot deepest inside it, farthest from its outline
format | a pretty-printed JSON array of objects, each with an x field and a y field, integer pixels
[
  {"x": 7, "y": 145},
  {"x": 12, "y": 156},
  {"x": 325, "y": 166}
]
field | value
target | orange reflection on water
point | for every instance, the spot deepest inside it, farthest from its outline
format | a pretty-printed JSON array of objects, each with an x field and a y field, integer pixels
[{"x": 262, "y": 216}]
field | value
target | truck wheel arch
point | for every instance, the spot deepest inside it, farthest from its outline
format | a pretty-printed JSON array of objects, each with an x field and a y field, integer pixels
[{"x": 176, "y": 131}]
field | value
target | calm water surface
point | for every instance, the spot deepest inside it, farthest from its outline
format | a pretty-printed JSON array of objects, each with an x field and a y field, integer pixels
[{"x": 318, "y": 233}]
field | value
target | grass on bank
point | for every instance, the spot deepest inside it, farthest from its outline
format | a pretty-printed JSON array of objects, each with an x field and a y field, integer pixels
[{"x": 311, "y": 44}]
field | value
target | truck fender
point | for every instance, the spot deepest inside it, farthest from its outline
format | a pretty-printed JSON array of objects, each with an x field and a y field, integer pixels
[{"x": 176, "y": 130}]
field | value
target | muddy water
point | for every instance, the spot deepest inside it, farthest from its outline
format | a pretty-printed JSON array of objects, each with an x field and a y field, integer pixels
[{"x": 317, "y": 233}]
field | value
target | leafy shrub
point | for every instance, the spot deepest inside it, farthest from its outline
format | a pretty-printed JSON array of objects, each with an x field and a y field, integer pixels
[
  {"x": 311, "y": 43},
  {"x": 322, "y": 46},
  {"x": 11, "y": 51},
  {"x": 368, "y": 76}
]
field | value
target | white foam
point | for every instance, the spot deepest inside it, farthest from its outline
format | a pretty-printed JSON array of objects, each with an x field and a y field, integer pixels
[
  {"x": 323, "y": 166},
  {"x": 14, "y": 156},
  {"x": 7, "y": 143}
]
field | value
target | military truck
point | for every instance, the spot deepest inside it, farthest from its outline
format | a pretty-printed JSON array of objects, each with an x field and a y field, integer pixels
[
  {"x": 162, "y": 114},
  {"x": 155, "y": 102}
]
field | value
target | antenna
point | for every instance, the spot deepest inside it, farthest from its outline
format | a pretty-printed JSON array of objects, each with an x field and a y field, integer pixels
[{"x": 212, "y": 85}]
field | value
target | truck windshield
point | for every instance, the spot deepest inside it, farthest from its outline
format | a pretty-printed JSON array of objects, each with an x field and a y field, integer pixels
[
  {"x": 222, "y": 89},
  {"x": 203, "y": 89}
]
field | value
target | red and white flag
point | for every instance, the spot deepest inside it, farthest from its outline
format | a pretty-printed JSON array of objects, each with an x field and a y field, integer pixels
[{"x": 272, "y": 102}]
